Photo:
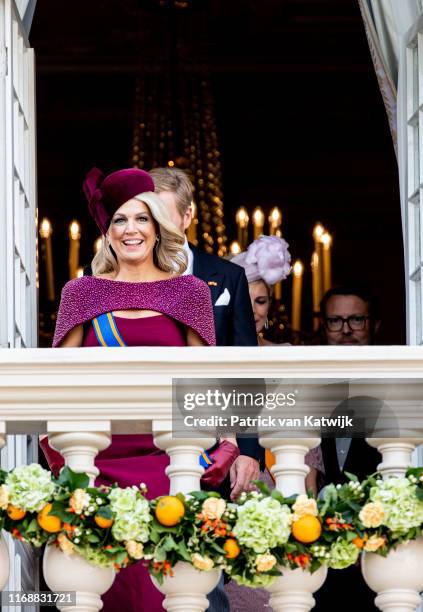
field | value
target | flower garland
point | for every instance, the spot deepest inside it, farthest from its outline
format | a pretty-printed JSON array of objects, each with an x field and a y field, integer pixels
[{"x": 252, "y": 540}]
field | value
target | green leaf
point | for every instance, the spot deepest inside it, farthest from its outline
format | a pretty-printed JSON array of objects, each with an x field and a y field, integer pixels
[
  {"x": 183, "y": 552},
  {"x": 154, "y": 536},
  {"x": 169, "y": 543},
  {"x": 350, "y": 476},
  {"x": 262, "y": 487},
  {"x": 93, "y": 538},
  {"x": 278, "y": 496},
  {"x": 33, "y": 526},
  {"x": 73, "y": 480}
]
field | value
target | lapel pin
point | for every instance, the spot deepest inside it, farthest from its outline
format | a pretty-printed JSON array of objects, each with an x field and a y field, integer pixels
[{"x": 212, "y": 283}]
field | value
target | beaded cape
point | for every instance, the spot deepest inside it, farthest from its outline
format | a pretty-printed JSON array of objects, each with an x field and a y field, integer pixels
[{"x": 184, "y": 298}]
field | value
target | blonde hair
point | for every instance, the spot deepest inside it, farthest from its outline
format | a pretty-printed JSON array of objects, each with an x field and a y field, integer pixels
[
  {"x": 176, "y": 181},
  {"x": 169, "y": 254}
]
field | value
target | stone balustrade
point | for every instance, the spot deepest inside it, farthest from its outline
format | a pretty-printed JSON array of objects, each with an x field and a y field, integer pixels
[{"x": 80, "y": 397}]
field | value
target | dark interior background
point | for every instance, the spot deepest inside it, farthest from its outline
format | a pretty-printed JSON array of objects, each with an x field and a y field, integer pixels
[{"x": 300, "y": 120}]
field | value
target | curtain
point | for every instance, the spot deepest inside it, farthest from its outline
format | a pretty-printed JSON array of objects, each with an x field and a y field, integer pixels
[{"x": 386, "y": 24}]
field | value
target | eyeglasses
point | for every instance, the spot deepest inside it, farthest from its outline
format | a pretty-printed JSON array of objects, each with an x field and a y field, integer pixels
[{"x": 354, "y": 322}]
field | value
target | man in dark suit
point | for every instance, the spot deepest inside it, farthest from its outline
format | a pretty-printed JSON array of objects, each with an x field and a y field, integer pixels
[
  {"x": 233, "y": 315},
  {"x": 350, "y": 318}
]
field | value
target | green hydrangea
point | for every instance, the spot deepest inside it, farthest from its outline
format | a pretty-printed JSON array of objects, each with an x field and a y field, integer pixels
[
  {"x": 122, "y": 500},
  {"x": 30, "y": 487},
  {"x": 95, "y": 556},
  {"x": 263, "y": 524},
  {"x": 132, "y": 515},
  {"x": 342, "y": 554},
  {"x": 257, "y": 581},
  {"x": 130, "y": 528},
  {"x": 403, "y": 510}
]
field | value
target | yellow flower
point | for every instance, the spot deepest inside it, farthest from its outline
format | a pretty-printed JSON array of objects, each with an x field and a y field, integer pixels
[
  {"x": 304, "y": 506},
  {"x": 372, "y": 514},
  {"x": 64, "y": 544},
  {"x": 373, "y": 543},
  {"x": 79, "y": 500},
  {"x": 264, "y": 563},
  {"x": 213, "y": 508},
  {"x": 134, "y": 549},
  {"x": 4, "y": 497},
  {"x": 201, "y": 563}
]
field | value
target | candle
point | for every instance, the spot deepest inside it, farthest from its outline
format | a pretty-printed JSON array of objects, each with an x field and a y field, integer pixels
[
  {"x": 74, "y": 235},
  {"x": 275, "y": 221},
  {"x": 97, "y": 244},
  {"x": 79, "y": 272},
  {"x": 327, "y": 264},
  {"x": 242, "y": 220},
  {"x": 277, "y": 291},
  {"x": 258, "y": 222},
  {"x": 192, "y": 229},
  {"x": 315, "y": 277},
  {"x": 235, "y": 248},
  {"x": 297, "y": 284},
  {"x": 45, "y": 233},
  {"x": 318, "y": 232}
]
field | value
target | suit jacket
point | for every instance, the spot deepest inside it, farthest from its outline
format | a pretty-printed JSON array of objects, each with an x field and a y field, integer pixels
[
  {"x": 234, "y": 320},
  {"x": 362, "y": 460}
]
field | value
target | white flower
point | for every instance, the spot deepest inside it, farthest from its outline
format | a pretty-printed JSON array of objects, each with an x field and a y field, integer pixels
[
  {"x": 202, "y": 563},
  {"x": 264, "y": 563},
  {"x": 134, "y": 549},
  {"x": 213, "y": 508},
  {"x": 372, "y": 514},
  {"x": 64, "y": 544},
  {"x": 304, "y": 506},
  {"x": 79, "y": 500},
  {"x": 374, "y": 543},
  {"x": 4, "y": 497}
]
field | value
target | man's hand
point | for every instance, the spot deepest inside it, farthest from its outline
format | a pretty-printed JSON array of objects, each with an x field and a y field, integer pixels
[{"x": 243, "y": 471}]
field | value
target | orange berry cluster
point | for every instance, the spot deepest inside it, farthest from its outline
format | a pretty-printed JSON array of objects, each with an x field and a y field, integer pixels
[
  {"x": 300, "y": 560},
  {"x": 334, "y": 524},
  {"x": 164, "y": 567},
  {"x": 220, "y": 528}
]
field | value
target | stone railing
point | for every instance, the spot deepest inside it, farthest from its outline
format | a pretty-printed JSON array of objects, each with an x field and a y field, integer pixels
[{"x": 79, "y": 397}]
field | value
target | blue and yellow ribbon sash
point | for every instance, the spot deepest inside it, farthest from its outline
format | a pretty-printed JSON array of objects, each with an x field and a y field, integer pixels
[{"x": 106, "y": 330}]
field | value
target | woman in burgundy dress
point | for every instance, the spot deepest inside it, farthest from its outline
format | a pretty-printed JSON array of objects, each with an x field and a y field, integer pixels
[{"x": 136, "y": 297}]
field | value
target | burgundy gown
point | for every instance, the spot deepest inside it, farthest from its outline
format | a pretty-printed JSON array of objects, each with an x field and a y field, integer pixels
[{"x": 130, "y": 460}]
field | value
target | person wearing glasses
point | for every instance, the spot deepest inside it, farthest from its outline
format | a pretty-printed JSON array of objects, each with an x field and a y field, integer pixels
[{"x": 350, "y": 317}]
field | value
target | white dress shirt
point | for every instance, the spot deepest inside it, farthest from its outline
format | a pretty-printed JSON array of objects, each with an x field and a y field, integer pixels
[{"x": 190, "y": 255}]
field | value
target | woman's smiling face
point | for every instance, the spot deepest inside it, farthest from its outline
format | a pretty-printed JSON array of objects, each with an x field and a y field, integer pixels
[{"x": 132, "y": 233}]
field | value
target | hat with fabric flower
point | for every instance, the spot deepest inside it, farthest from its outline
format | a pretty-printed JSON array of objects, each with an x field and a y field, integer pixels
[
  {"x": 106, "y": 194},
  {"x": 267, "y": 259}
]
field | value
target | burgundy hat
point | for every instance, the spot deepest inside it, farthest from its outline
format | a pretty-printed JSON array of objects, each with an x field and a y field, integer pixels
[{"x": 106, "y": 195}]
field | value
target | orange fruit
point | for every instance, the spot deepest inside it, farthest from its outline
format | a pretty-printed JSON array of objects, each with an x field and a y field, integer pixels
[
  {"x": 307, "y": 529},
  {"x": 231, "y": 548},
  {"x": 49, "y": 523},
  {"x": 169, "y": 510},
  {"x": 359, "y": 542},
  {"x": 15, "y": 513},
  {"x": 102, "y": 522}
]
